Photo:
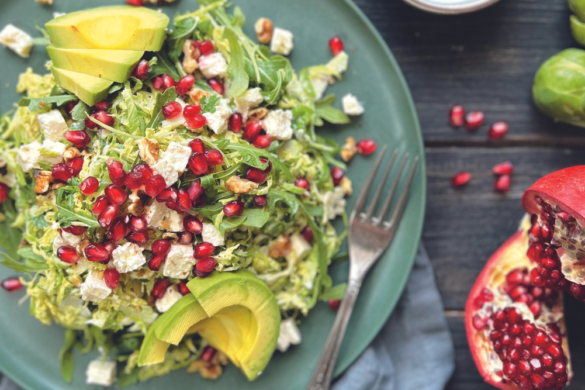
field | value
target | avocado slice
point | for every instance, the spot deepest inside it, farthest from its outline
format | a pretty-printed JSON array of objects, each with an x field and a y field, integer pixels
[
  {"x": 153, "y": 350},
  {"x": 88, "y": 89},
  {"x": 242, "y": 288},
  {"x": 110, "y": 28},
  {"x": 174, "y": 324},
  {"x": 214, "y": 332},
  {"x": 115, "y": 65}
]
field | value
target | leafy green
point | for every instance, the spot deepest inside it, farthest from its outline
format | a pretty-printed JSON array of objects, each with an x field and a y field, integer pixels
[
  {"x": 79, "y": 111},
  {"x": 325, "y": 111},
  {"x": 42, "y": 104},
  {"x": 66, "y": 213},
  {"x": 183, "y": 30},
  {"x": 164, "y": 65},
  {"x": 236, "y": 68},
  {"x": 66, "y": 356},
  {"x": 208, "y": 103},
  {"x": 161, "y": 99},
  {"x": 27, "y": 252},
  {"x": 335, "y": 293},
  {"x": 256, "y": 217},
  {"x": 251, "y": 156}
]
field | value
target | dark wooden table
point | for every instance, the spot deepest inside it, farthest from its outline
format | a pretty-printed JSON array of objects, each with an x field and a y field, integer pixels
[{"x": 485, "y": 61}]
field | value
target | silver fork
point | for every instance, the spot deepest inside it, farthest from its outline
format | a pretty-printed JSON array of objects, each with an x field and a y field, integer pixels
[{"x": 369, "y": 236}]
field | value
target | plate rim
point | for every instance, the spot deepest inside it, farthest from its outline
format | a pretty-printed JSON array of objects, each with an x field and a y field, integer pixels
[{"x": 451, "y": 9}]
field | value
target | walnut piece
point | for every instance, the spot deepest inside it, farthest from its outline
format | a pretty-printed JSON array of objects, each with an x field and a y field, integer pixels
[
  {"x": 196, "y": 95},
  {"x": 263, "y": 28},
  {"x": 82, "y": 245},
  {"x": 207, "y": 370},
  {"x": 50, "y": 2},
  {"x": 148, "y": 150},
  {"x": 70, "y": 154},
  {"x": 280, "y": 247},
  {"x": 257, "y": 114},
  {"x": 191, "y": 55},
  {"x": 75, "y": 280},
  {"x": 43, "y": 181},
  {"x": 345, "y": 185},
  {"x": 348, "y": 150},
  {"x": 238, "y": 185}
]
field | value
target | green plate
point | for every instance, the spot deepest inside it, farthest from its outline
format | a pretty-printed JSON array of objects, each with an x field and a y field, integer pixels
[{"x": 29, "y": 352}]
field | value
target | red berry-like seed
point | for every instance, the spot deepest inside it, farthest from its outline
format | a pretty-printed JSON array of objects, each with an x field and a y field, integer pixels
[
  {"x": 133, "y": 180},
  {"x": 11, "y": 284},
  {"x": 198, "y": 163},
  {"x": 213, "y": 157},
  {"x": 366, "y": 146},
  {"x": 89, "y": 186},
  {"x": 302, "y": 183},
  {"x": 505, "y": 168},
  {"x": 96, "y": 252},
  {"x": 68, "y": 254},
  {"x": 334, "y": 304},
  {"x": 141, "y": 70},
  {"x": 460, "y": 179},
  {"x": 140, "y": 238},
  {"x": 503, "y": 183},
  {"x": 3, "y": 193},
  {"x": 199, "y": 202},
  {"x": 104, "y": 105},
  {"x": 206, "y": 265},
  {"x": 167, "y": 194},
  {"x": 155, "y": 262},
  {"x": 160, "y": 288},
  {"x": 184, "y": 85},
  {"x": 262, "y": 142},
  {"x": 337, "y": 175},
  {"x": 75, "y": 230},
  {"x": 61, "y": 172},
  {"x": 116, "y": 172},
  {"x": 197, "y": 146},
  {"x": 157, "y": 83},
  {"x": 235, "y": 122},
  {"x": 155, "y": 185},
  {"x": 256, "y": 175},
  {"x": 474, "y": 119},
  {"x": 104, "y": 118},
  {"x": 183, "y": 287},
  {"x": 206, "y": 48},
  {"x": 457, "y": 115},
  {"x": 498, "y": 131},
  {"x": 307, "y": 233},
  {"x": 100, "y": 205},
  {"x": 192, "y": 224},
  {"x": 75, "y": 166},
  {"x": 200, "y": 274},
  {"x": 233, "y": 208},
  {"x": 184, "y": 202},
  {"x": 168, "y": 81},
  {"x": 107, "y": 216},
  {"x": 252, "y": 130},
  {"x": 264, "y": 160},
  {"x": 197, "y": 122},
  {"x": 69, "y": 106},
  {"x": 115, "y": 194},
  {"x": 161, "y": 247},
  {"x": 336, "y": 45},
  {"x": 216, "y": 86},
  {"x": 186, "y": 238},
  {"x": 79, "y": 138},
  {"x": 260, "y": 201},
  {"x": 118, "y": 230},
  {"x": 112, "y": 278},
  {"x": 208, "y": 353},
  {"x": 136, "y": 3},
  {"x": 172, "y": 110},
  {"x": 110, "y": 246},
  {"x": 144, "y": 171},
  {"x": 195, "y": 190},
  {"x": 137, "y": 224},
  {"x": 191, "y": 111},
  {"x": 204, "y": 250}
]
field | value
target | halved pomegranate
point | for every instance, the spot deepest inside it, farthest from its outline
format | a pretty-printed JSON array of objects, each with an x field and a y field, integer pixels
[{"x": 516, "y": 331}]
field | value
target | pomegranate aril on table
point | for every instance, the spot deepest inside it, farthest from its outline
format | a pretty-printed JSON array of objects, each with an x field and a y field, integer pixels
[
  {"x": 366, "y": 146},
  {"x": 498, "y": 130},
  {"x": 336, "y": 45},
  {"x": 460, "y": 179},
  {"x": 457, "y": 115},
  {"x": 334, "y": 304},
  {"x": 505, "y": 168},
  {"x": 503, "y": 183},
  {"x": 474, "y": 120},
  {"x": 11, "y": 284}
]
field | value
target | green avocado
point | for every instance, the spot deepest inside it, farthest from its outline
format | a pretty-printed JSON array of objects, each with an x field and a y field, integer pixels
[
  {"x": 110, "y": 28},
  {"x": 115, "y": 65},
  {"x": 153, "y": 350},
  {"x": 242, "y": 288},
  {"x": 174, "y": 324},
  {"x": 88, "y": 89}
]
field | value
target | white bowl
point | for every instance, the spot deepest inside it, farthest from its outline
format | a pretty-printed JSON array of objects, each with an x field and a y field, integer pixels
[{"x": 451, "y": 7}]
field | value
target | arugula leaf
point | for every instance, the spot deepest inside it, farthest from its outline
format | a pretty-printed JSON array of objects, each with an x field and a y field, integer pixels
[
  {"x": 336, "y": 292},
  {"x": 78, "y": 125},
  {"x": 79, "y": 111},
  {"x": 161, "y": 99},
  {"x": 272, "y": 96},
  {"x": 66, "y": 214},
  {"x": 251, "y": 156},
  {"x": 28, "y": 253},
  {"x": 237, "y": 66},
  {"x": 208, "y": 103},
  {"x": 41, "y": 104},
  {"x": 164, "y": 65},
  {"x": 239, "y": 19},
  {"x": 268, "y": 71},
  {"x": 325, "y": 110},
  {"x": 289, "y": 199},
  {"x": 115, "y": 88},
  {"x": 176, "y": 39},
  {"x": 231, "y": 223},
  {"x": 256, "y": 217},
  {"x": 210, "y": 211},
  {"x": 66, "y": 356}
]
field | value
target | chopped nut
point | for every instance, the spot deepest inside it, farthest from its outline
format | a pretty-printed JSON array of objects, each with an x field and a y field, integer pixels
[
  {"x": 349, "y": 149},
  {"x": 207, "y": 370},
  {"x": 280, "y": 247},
  {"x": 345, "y": 185},
  {"x": 50, "y": 2},
  {"x": 263, "y": 28},
  {"x": 43, "y": 181},
  {"x": 220, "y": 358},
  {"x": 136, "y": 207},
  {"x": 196, "y": 95},
  {"x": 75, "y": 280},
  {"x": 238, "y": 185},
  {"x": 172, "y": 237},
  {"x": 148, "y": 150},
  {"x": 50, "y": 197},
  {"x": 191, "y": 55},
  {"x": 82, "y": 245},
  {"x": 70, "y": 154},
  {"x": 257, "y": 114}
]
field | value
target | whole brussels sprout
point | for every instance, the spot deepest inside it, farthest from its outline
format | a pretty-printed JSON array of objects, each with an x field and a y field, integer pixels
[
  {"x": 578, "y": 20},
  {"x": 559, "y": 87}
]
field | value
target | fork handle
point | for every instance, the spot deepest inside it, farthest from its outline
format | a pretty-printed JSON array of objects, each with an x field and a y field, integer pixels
[{"x": 321, "y": 378}]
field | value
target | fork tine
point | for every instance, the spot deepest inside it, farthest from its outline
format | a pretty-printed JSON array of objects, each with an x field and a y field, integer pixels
[
  {"x": 363, "y": 196},
  {"x": 401, "y": 205},
  {"x": 391, "y": 193},
  {"x": 374, "y": 204}
]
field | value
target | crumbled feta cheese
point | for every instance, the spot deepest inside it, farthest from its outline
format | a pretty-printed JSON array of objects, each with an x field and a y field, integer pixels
[
  {"x": 16, "y": 40},
  {"x": 180, "y": 261},
  {"x": 278, "y": 124},
  {"x": 51, "y": 152},
  {"x": 282, "y": 41},
  {"x": 71, "y": 239},
  {"x": 101, "y": 373},
  {"x": 250, "y": 99},
  {"x": 212, "y": 235},
  {"x": 334, "y": 203},
  {"x": 218, "y": 120},
  {"x": 300, "y": 248},
  {"x": 159, "y": 216},
  {"x": 58, "y": 14},
  {"x": 58, "y": 242},
  {"x": 53, "y": 125},
  {"x": 94, "y": 289},
  {"x": 28, "y": 155},
  {"x": 167, "y": 301},
  {"x": 177, "y": 121},
  {"x": 213, "y": 65},
  {"x": 351, "y": 106},
  {"x": 173, "y": 162},
  {"x": 9, "y": 179},
  {"x": 289, "y": 335},
  {"x": 128, "y": 257},
  {"x": 339, "y": 62}
]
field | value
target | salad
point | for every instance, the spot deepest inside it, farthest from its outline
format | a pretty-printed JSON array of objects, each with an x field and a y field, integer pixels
[{"x": 207, "y": 159}]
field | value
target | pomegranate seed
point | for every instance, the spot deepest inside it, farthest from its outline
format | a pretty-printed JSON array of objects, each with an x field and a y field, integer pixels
[
  {"x": 141, "y": 70},
  {"x": 198, "y": 163},
  {"x": 192, "y": 224},
  {"x": 96, "y": 252},
  {"x": 503, "y": 183},
  {"x": 334, "y": 304},
  {"x": 118, "y": 230},
  {"x": 206, "y": 265},
  {"x": 260, "y": 201},
  {"x": 167, "y": 194},
  {"x": 195, "y": 190},
  {"x": 200, "y": 274},
  {"x": 104, "y": 105},
  {"x": 184, "y": 202},
  {"x": 197, "y": 146},
  {"x": 155, "y": 185},
  {"x": 112, "y": 278},
  {"x": 213, "y": 157},
  {"x": 75, "y": 166},
  {"x": 505, "y": 168},
  {"x": 498, "y": 130},
  {"x": 104, "y": 118},
  {"x": 133, "y": 180},
  {"x": 3, "y": 193},
  {"x": 69, "y": 107},
  {"x": 184, "y": 85},
  {"x": 116, "y": 172},
  {"x": 264, "y": 160},
  {"x": 155, "y": 262},
  {"x": 161, "y": 247},
  {"x": 474, "y": 119},
  {"x": 456, "y": 115},
  {"x": 183, "y": 288},
  {"x": 89, "y": 186},
  {"x": 204, "y": 250},
  {"x": 460, "y": 179},
  {"x": 100, "y": 205},
  {"x": 233, "y": 208},
  {"x": 137, "y": 224},
  {"x": 337, "y": 174},
  {"x": 68, "y": 254},
  {"x": 79, "y": 138},
  {"x": 11, "y": 284},
  {"x": 157, "y": 83},
  {"x": 75, "y": 230},
  {"x": 302, "y": 183},
  {"x": 216, "y": 86},
  {"x": 160, "y": 288},
  {"x": 167, "y": 81},
  {"x": 307, "y": 233},
  {"x": 110, "y": 246},
  {"x": 173, "y": 203},
  {"x": 136, "y": 3},
  {"x": 144, "y": 171},
  {"x": 61, "y": 172},
  {"x": 107, "y": 216},
  {"x": 206, "y": 48},
  {"x": 336, "y": 45},
  {"x": 199, "y": 202},
  {"x": 208, "y": 354},
  {"x": 186, "y": 238},
  {"x": 262, "y": 141},
  {"x": 140, "y": 238},
  {"x": 235, "y": 122},
  {"x": 252, "y": 130},
  {"x": 115, "y": 194},
  {"x": 172, "y": 110},
  {"x": 90, "y": 124},
  {"x": 366, "y": 146},
  {"x": 256, "y": 175},
  {"x": 197, "y": 122},
  {"x": 191, "y": 111}
]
